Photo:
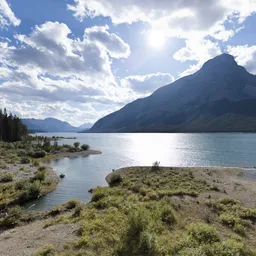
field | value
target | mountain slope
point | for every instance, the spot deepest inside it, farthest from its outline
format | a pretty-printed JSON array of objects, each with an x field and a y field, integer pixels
[
  {"x": 221, "y": 96},
  {"x": 85, "y": 126},
  {"x": 49, "y": 125}
]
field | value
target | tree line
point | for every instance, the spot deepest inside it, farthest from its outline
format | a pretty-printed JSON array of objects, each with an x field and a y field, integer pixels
[{"x": 11, "y": 127}]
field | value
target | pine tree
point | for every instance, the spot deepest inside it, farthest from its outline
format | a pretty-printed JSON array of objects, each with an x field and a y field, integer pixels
[{"x": 11, "y": 127}]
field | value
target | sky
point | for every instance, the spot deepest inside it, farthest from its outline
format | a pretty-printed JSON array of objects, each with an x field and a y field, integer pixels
[{"x": 79, "y": 60}]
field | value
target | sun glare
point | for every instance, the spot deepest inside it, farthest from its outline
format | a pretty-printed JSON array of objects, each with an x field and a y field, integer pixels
[{"x": 156, "y": 38}]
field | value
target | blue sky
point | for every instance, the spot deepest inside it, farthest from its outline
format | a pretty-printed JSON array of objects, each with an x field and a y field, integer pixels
[{"x": 79, "y": 60}]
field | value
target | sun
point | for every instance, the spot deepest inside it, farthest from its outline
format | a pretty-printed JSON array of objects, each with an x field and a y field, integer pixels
[{"x": 156, "y": 38}]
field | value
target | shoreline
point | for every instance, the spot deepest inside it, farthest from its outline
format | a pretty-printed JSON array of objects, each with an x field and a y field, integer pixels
[
  {"x": 61, "y": 155},
  {"x": 228, "y": 180},
  {"x": 202, "y": 198}
]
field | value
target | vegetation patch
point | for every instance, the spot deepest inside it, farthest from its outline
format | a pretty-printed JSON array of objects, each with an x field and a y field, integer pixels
[{"x": 233, "y": 214}]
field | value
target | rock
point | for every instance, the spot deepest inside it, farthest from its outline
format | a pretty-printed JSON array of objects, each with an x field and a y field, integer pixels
[
  {"x": 62, "y": 176},
  {"x": 90, "y": 190}
]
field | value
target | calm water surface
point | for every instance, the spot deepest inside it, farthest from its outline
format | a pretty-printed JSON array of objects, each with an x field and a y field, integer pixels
[{"x": 120, "y": 150}]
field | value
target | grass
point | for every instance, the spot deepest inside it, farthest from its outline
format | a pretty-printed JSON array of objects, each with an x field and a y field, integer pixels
[
  {"x": 140, "y": 216},
  {"x": 22, "y": 178},
  {"x": 47, "y": 250},
  {"x": 233, "y": 214}
]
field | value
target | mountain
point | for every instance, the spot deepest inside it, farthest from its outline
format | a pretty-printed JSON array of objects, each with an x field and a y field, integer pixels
[
  {"x": 49, "y": 125},
  {"x": 220, "y": 97},
  {"x": 85, "y": 126}
]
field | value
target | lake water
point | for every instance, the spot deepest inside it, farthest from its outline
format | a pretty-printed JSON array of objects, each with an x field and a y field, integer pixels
[{"x": 121, "y": 150}]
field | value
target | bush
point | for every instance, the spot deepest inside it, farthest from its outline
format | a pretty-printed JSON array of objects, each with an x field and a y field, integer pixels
[
  {"x": 21, "y": 153},
  {"x": 7, "y": 177},
  {"x": 143, "y": 191},
  {"x": 167, "y": 215},
  {"x": 76, "y": 145},
  {"x": 72, "y": 204},
  {"x": 47, "y": 250},
  {"x": 14, "y": 215},
  {"x": 72, "y": 150},
  {"x": 115, "y": 179},
  {"x": 85, "y": 147},
  {"x": 228, "y": 201},
  {"x": 67, "y": 146},
  {"x": 31, "y": 191},
  {"x": 41, "y": 168},
  {"x": 202, "y": 233},
  {"x": 19, "y": 185},
  {"x": 98, "y": 194},
  {"x": 40, "y": 175},
  {"x": 36, "y": 163},
  {"x": 25, "y": 160},
  {"x": 138, "y": 240},
  {"x": 155, "y": 166},
  {"x": 37, "y": 154}
]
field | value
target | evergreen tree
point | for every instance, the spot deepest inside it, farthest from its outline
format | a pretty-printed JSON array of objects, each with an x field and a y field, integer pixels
[{"x": 11, "y": 127}]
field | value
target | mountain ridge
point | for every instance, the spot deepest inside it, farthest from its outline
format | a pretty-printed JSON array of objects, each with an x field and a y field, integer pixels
[
  {"x": 50, "y": 125},
  {"x": 221, "y": 90}
]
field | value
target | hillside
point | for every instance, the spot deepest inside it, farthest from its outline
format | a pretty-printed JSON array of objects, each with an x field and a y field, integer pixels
[
  {"x": 221, "y": 96},
  {"x": 49, "y": 125}
]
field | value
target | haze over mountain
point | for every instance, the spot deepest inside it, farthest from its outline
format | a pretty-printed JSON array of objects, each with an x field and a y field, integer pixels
[
  {"x": 85, "y": 126},
  {"x": 221, "y": 96},
  {"x": 49, "y": 125}
]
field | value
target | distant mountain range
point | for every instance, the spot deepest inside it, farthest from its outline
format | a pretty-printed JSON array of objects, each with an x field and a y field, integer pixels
[
  {"x": 220, "y": 97},
  {"x": 53, "y": 125}
]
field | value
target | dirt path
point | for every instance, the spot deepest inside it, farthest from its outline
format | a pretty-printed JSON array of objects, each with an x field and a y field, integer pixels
[{"x": 26, "y": 240}]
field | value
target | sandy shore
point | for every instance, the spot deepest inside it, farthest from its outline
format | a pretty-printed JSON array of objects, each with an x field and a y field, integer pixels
[
  {"x": 229, "y": 181},
  {"x": 61, "y": 155}
]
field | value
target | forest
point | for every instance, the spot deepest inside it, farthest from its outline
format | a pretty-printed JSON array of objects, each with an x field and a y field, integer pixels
[{"x": 11, "y": 127}]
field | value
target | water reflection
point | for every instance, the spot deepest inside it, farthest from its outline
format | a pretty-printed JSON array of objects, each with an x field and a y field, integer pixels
[{"x": 119, "y": 150}]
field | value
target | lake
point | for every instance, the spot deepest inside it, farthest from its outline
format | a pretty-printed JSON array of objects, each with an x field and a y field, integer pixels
[{"x": 121, "y": 150}]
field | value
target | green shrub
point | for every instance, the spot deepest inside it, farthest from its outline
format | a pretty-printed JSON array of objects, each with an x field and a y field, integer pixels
[
  {"x": 21, "y": 153},
  {"x": 240, "y": 229},
  {"x": 13, "y": 218},
  {"x": 78, "y": 210},
  {"x": 138, "y": 239},
  {"x": 72, "y": 150},
  {"x": 203, "y": 233},
  {"x": 25, "y": 160},
  {"x": 143, "y": 191},
  {"x": 7, "y": 177},
  {"x": 31, "y": 191},
  {"x": 47, "y": 250},
  {"x": 228, "y": 201},
  {"x": 115, "y": 179},
  {"x": 85, "y": 147},
  {"x": 19, "y": 185},
  {"x": 36, "y": 163},
  {"x": 155, "y": 166},
  {"x": 167, "y": 215},
  {"x": 40, "y": 175},
  {"x": 67, "y": 146},
  {"x": 72, "y": 204},
  {"x": 37, "y": 154},
  {"x": 41, "y": 168},
  {"x": 2, "y": 165},
  {"x": 76, "y": 145},
  {"x": 98, "y": 194}
]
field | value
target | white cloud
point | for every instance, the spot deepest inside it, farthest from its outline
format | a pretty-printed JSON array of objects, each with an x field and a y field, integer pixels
[
  {"x": 199, "y": 51},
  {"x": 187, "y": 19},
  {"x": 148, "y": 83},
  {"x": 113, "y": 44},
  {"x": 245, "y": 56},
  {"x": 7, "y": 17},
  {"x": 49, "y": 67}
]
